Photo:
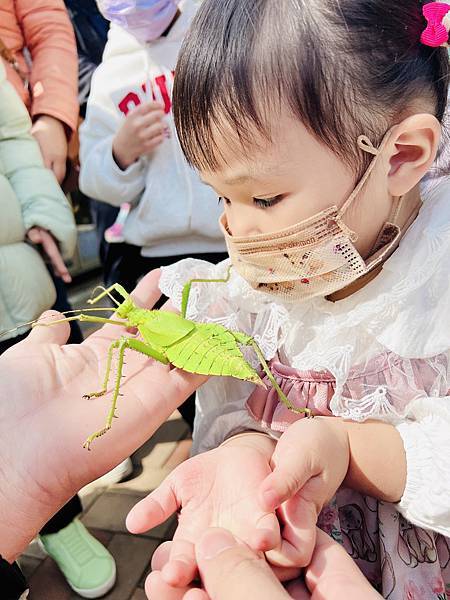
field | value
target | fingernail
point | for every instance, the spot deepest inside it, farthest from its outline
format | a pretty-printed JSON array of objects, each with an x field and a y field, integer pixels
[{"x": 214, "y": 543}]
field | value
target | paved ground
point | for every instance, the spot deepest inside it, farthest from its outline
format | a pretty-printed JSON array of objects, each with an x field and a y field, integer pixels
[{"x": 105, "y": 509}]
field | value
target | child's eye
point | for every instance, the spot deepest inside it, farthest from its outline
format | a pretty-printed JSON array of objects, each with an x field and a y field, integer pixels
[
  {"x": 224, "y": 200},
  {"x": 268, "y": 202}
]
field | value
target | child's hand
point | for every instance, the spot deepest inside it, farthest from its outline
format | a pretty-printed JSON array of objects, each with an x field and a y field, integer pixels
[
  {"x": 309, "y": 463},
  {"x": 42, "y": 237},
  {"x": 141, "y": 132},
  {"x": 218, "y": 488},
  {"x": 51, "y": 137}
]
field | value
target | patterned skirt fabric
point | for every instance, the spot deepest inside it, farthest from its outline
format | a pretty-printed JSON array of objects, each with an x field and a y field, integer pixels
[{"x": 401, "y": 561}]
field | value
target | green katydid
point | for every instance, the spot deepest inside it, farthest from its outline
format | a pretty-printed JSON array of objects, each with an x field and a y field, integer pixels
[{"x": 170, "y": 338}]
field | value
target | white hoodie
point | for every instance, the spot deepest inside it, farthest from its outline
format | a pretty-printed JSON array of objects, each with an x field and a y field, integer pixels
[{"x": 173, "y": 213}]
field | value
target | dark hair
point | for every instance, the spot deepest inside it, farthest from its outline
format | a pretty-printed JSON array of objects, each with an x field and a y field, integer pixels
[{"x": 343, "y": 67}]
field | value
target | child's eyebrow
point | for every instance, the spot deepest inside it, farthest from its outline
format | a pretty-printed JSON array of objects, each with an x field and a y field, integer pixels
[
  {"x": 232, "y": 180},
  {"x": 242, "y": 178},
  {"x": 239, "y": 179}
]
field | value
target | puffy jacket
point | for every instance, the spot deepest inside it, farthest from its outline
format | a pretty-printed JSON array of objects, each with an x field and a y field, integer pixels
[
  {"x": 44, "y": 28},
  {"x": 29, "y": 196}
]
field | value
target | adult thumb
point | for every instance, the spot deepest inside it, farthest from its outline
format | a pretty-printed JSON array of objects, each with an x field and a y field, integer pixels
[{"x": 232, "y": 571}]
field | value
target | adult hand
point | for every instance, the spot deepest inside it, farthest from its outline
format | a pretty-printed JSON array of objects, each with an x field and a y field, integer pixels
[
  {"x": 42, "y": 237},
  {"x": 44, "y": 418},
  {"x": 230, "y": 570},
  {"x": 141, "y": 132},
  {"x": 51, "y": 137}
]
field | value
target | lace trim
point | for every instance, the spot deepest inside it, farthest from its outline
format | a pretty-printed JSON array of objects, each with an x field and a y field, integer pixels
[{"x": 372, "y": 406}]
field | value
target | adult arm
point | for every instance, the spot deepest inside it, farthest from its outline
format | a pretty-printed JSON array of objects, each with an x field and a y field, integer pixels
[
  {"x": 49, "y": 37},
  {"x": 41, "y": 200},
  {"x": 44, "y": 419}
]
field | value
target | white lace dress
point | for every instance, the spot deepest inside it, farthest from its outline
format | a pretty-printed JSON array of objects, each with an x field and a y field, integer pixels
[{"x": 383, "y": 353}]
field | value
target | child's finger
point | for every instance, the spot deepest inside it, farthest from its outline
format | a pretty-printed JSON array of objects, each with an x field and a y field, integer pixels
[
  {"x": 298, "y": 518},
  {"x": 181, "y": 569},
  {"x": 154, "y": 119},
  {"x": 267, "y": 534},
  {"x": 196, "y": 594},
  {"x": 156, "y": 508},
  {"x": 284, "y": 574},
  {"x": 51, "y": 250},
  {"x": 152, "y": 131},
  {"x": 148, "y": 107},
  {"x": 157, "y": 589},
  {"x": 290, "y": 473},
  {"x": 152, "y": 143}
]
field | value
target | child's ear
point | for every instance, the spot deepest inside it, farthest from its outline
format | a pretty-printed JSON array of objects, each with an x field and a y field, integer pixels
[{"x": 414, "y": 147}]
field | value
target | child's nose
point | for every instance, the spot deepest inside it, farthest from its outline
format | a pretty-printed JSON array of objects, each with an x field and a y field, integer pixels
[
  {"x": 244, "y": 225},
  {"x": 242, "y": 230}
]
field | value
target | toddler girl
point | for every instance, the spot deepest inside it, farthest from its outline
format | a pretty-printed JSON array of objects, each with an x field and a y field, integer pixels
[{"x": 316, "y": 122}]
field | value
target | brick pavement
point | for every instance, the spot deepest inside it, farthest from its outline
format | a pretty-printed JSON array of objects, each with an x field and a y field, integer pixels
[{"x": 105, "y": 509}]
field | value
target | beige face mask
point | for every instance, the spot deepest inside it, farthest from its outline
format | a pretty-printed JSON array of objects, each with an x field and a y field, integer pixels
[{"x": 317, "y": 256}]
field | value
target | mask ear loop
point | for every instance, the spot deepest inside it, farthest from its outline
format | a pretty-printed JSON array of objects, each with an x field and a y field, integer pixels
[{"x": 366, "y": 145}]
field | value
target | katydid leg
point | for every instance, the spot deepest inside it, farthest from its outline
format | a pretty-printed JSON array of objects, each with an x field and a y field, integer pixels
[
  {"x": 122, "y": 344},
  {"x": 84, "y": 318},
  {"x": 187, "y": 289},
  {"x": 249, "y": 341},
  {"x": 102, "y": 392},
  {"x": 282, "y": 396},
  {"x": 116, "y": 287}
]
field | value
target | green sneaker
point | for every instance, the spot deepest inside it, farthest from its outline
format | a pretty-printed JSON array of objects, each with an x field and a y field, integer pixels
[{"x": 87, "y": 565}]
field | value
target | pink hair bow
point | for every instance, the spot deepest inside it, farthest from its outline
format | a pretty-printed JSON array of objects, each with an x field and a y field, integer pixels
[{"x": 436, "y": 33}]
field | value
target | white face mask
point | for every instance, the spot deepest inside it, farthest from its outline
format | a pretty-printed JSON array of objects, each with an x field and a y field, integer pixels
[
  {"x": 145, "y": 19},
  {"x": 317, "y": 256}
]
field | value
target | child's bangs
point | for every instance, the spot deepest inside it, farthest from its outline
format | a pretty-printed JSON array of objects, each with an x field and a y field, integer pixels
[
  {"x": 235, "y": 123},
  {"x": 225, "y": 87}
]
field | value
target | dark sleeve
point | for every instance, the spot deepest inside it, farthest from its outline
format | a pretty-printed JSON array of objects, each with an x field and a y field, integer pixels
[
  {"x": 12, "y": 581},
  {"x": 91, "y": 33},
  {"x": 86, "y": 69}
]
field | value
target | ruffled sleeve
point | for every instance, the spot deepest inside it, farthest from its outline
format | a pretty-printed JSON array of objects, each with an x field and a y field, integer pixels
[{"x": 426, "y": 500}]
